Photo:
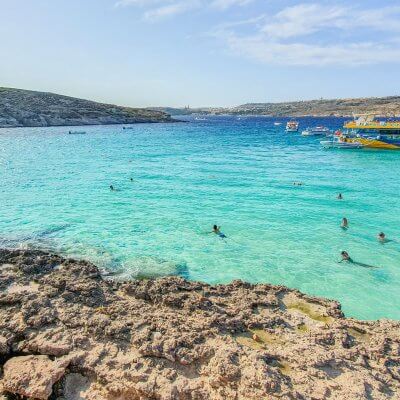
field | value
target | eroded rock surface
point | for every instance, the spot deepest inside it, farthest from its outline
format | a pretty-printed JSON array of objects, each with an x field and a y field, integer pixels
[
  {"x": 83, "y": 337},
  {"x": 33, "y": 376}
]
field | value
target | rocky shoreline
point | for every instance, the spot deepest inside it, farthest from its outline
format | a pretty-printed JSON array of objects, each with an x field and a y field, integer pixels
[{"x": 68, "y": 333}]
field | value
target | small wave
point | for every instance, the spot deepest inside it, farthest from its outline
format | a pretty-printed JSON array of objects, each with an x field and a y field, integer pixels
[{"x": 151, "y": 267}]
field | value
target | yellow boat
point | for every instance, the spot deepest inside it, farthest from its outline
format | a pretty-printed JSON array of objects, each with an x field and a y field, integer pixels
[{"x": 372, "y": 133}]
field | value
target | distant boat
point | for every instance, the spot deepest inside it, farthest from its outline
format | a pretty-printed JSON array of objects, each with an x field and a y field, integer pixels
[
  {"x": 277, "y": 123},
  {"x": 292, "y": 126},
  {"x": 317, "y": 131},
  {"x": 76, "y": 133}
]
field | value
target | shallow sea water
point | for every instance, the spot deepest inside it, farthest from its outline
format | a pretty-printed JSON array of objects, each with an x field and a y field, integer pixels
[{"x": 237, "y": 173}]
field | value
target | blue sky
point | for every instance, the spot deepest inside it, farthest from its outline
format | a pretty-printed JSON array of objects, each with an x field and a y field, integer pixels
[{"x": 201, "y": 52}]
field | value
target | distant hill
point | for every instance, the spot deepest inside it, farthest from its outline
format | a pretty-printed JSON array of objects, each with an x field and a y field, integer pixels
[
  {"x": 383, "y": 106},
  {"x": 173, "y": 110},
  {"x": 29, "y": 108}
]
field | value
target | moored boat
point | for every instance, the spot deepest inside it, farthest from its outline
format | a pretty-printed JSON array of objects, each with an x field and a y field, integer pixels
[
  {"x": 292, "y": 126},
  {"x": 316, "y": 131},
  {"x": 76, "y": 133},
  {"x": 341, "y": 142},
  {"x": 334, "y": 144},
  {"x": 373, "y": 133}
]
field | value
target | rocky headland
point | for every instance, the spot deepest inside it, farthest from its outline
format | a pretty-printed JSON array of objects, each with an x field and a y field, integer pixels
[
  {"x": 68, "y": 333},
  {"x": 25, "y": 108}
]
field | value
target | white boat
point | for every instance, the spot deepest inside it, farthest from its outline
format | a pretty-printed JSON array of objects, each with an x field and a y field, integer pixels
[
  {"x": 292, "y": 126},
  {"x": 341, "y": 143},
  {"x": 277, "y": 123},
  {"x": 317, "y": 131}
]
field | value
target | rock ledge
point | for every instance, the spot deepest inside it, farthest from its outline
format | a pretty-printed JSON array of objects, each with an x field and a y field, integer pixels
[{"x": 67, "y": 333}]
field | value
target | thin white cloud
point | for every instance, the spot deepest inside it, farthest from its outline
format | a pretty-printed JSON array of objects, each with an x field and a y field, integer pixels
[
  {"x": 159, "y": 9},
  {"x": 352, "y": 54},
  {"x": 313, "y": 34},
  {"x": 303, "y": 19},
  {"x": 224, "y": 4},
  {"x": 384, "y": 19},
  {"x": 122, "y": 3},
  {"x": 170, "y": 10}
]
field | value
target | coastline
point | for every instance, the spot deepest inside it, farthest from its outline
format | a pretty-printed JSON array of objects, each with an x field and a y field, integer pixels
[
  {"x": 344, "y": 107},
  {"x": 169, "y": 121},
  {"x": 168, "y": 338}
]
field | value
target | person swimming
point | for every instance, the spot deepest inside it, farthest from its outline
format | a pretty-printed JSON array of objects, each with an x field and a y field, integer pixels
[
  {"x": 131, "y": 179},
  {"x": 217, "y": 231},
  {"x": 382, "y": 237},
  {"x": 112, "y": 187},
  {"x": 345, "y": 223},
  {"x": 345, "y": 257},
  {"x": 340, "y": 197}
]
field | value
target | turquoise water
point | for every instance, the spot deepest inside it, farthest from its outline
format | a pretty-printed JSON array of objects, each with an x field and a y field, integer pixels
[{"x": 186, "y": 177}]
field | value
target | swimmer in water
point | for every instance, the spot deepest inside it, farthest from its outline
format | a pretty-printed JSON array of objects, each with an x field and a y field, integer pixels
[
  {"x": 382, "y": 237},
  {"x": 345, "y": 223},
  {"x": 111, "y": 187},
  {"x": 340, "y": 197},
  {"x": 131, "y": 179},
  {"x": 345, "y": 257},
  {"x": 216, "y": 230}
]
